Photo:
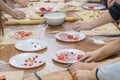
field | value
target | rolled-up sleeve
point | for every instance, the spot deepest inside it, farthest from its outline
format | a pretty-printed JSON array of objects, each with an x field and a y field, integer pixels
[
  {"x": 109, "y": 72},
  {"x": 115, "y": 11}
]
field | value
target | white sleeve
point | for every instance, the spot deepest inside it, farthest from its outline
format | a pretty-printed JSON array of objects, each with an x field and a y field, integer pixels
[{"x": 109, "y": 72}]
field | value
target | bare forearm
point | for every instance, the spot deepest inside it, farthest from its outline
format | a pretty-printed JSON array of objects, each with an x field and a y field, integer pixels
[
  {"x": 108, "y": 49},
  {"x": 5, "y": 7},
  {"x": 103, "y": 19},
  {"x": 94, "y": 0},
  {"x": 110, "y": 61}
]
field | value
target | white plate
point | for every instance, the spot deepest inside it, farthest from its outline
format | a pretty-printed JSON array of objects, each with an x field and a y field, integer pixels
[
  {"x": 65, "y": 36},
  {"x": 94, "y": 6},
  {"x": 69, "y": 57},
  {"x": 27, "y": 60},
  {"x": 30, "y": 45}
]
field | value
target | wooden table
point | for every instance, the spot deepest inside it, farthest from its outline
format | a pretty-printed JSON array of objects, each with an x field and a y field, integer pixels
[{"x": 8, "y": 50}]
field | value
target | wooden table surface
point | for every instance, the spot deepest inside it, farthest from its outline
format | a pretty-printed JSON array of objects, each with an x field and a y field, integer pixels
[{"x": 8, "y": 50}]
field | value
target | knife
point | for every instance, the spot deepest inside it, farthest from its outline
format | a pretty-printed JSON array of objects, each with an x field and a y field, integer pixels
[
  {"x": 115, "y": 35},
  {"x": 37, "y": 76}
]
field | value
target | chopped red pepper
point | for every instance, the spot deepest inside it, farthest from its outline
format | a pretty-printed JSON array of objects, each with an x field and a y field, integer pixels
[
  {"x": 91, "y": 7},
  {"x": 43, "y": 9}
]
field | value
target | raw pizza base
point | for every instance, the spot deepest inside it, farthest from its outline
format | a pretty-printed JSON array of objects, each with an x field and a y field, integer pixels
[
  {"x": 11, "y": 40},
  {"x": 89, "y": 15},
  {"x": 61, "y": 75},
  {"x": 102, "y": 29}
]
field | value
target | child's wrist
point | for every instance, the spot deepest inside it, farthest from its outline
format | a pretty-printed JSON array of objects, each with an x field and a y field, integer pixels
[{"x": 92, "y": 75}]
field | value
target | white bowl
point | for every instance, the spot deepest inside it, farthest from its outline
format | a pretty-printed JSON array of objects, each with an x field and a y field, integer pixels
[{"x": 54, "y": 18}]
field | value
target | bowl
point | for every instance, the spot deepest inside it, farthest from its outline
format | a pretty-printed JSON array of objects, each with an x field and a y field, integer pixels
[{"x": 54, "y": 18}]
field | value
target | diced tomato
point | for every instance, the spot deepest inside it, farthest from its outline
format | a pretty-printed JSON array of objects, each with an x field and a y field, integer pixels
[
  {"x": 48, "y": 0},
  {"x": 21, "y": 33},
  {"x": 76, "y": 38},
  {"x": 29, "y": 58},
  {"x": 79, "y": 56},
  {"x": 60, "y": 57},
  {"x": 70, "y": 36},
  {"x": 91, "y": 7},
  {"x": 33, "y": 58},
  {"x": 36, "y": 56},
  {"x": 30, "y": 64},
  {"x": 40, "y": 61},
  {"x": 25, "y": 64},
  {"x": 30, "y": 33},
  {"x": 43, "y": 9},
  {"x": 49, "y": 10}
]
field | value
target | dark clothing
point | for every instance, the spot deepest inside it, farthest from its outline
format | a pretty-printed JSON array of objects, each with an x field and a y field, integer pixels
[
  {"x": 5, "y": 1},
  {"x": 115, "y": 11},
  {"x": 104, "y": 2}
]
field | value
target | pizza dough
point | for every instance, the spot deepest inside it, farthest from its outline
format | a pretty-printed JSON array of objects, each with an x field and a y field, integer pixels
[
  {"x": 89, "y": 15},
  {"x": 102, "y": 29},
  {"x": 107, "y": 29},
  {"x": 12, "y": 40},
  {"x": 61, "y": 75}
]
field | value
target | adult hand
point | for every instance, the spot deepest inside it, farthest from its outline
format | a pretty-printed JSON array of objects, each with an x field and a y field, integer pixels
[
  {"x": 17, "y": 14},
  {"x": 85, "y": 75},
  {"x": 81, "y": 66},
  {"x": 80, "y": 25},
  {"x": 110, "y": 2},
  {"x": 91, "y": 56}
]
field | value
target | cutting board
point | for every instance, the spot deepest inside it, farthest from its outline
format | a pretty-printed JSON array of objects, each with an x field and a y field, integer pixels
[
  {"x": 31, "y": 12},
  {"x": 61, "y": 75},
  {"x": 107, "y": 29},
  {"x": 9, "y": 39},
  {"x": 33, "y": 19},
  {"x": 13, "y": 75}
]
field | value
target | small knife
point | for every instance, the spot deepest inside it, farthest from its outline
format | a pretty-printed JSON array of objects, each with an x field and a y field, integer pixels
[
  {"x": 115, "y": 35},
  {"x": 37, "y": 76}
]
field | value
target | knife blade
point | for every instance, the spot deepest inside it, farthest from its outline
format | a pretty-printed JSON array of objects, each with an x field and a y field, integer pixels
[
  {"x": 115, "y": 35},
  {"x": 37, "y": 76}
]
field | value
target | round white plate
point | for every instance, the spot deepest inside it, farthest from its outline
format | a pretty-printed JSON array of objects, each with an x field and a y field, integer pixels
[
  {"x": 66, "y": 36},
  {"x": 94, "y": 6},
  {"x": 27, "y": 60},
  {"x": 70, "y": 55},
  {"x": 30, "y": 45}
]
